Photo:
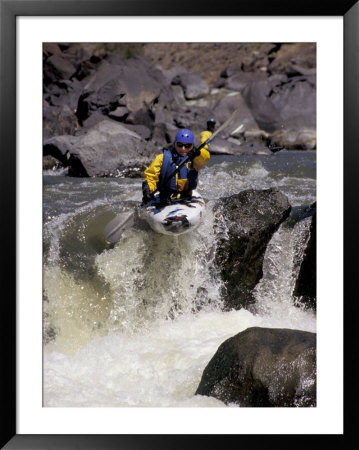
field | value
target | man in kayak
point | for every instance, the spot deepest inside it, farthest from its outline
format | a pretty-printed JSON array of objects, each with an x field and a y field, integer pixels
[
  {"x": 206, "y": 134},
  {"x": 158, "y": 174}
]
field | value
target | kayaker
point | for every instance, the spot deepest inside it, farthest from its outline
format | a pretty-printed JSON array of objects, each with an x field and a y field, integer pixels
[
  {"x": 185, "y": 180},
  {"x": 206, "y": 134}
]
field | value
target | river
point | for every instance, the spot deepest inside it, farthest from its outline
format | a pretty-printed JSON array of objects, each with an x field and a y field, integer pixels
[{"x": 135, "y": 324}]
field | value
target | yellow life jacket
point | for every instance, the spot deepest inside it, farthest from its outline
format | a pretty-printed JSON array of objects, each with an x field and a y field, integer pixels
[{"x": 185, "y": 180}]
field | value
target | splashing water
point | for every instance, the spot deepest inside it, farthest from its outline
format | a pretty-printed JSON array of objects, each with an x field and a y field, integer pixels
[{"x": 135, "y": 324}]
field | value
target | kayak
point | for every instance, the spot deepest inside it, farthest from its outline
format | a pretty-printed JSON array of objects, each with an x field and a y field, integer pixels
[{"x": 177, "y": 217}]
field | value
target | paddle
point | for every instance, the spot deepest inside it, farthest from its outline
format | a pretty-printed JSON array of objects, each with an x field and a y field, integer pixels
[
  {"x": 122, "y": 221},
  {"x": 117, "y": 226}
]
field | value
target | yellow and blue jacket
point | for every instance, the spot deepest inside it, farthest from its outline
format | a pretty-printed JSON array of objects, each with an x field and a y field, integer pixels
[
  {"x": 204, "y": 136},
  {"x": 184, "y": 180}
]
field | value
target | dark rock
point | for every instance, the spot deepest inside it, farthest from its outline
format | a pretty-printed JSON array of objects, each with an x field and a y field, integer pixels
[
  {"x": 85, "y": 69},
  {"x": 163, "y": 135},
  {"x": 63, "y": 93},
  {"x": 230, "y": 71},
  {"x": 193, "y": 85},
  {"x": 279, "y": 102},
  {"x": 306, "y": 284},
  {"x": 51, "y": 163},
  {"x": 50, "y": 48},
  {"x": 292, "y": 56},
  {"x": 245, "y": 121},
  {"x": 142, "y": 83},
  {"x": 57, "y": 68},
  {"x": 107, "y": 149},
  {"x": 163, "y": 115},
  {"x": 92, "y": 120},
  {"x": 58, "y": 120},
  {"x": 120, "y": 113},
  {"x": 172, "y": 73},
  {"x": 115, "y": 58},
  {"x": 101, "y": 93},
  {"x": 84, "y": 84},
  {"x": 263, "y": 367},
  {"x": 244, "y": 224},
  {"x": 239, "y": 80},
  {"x": 141, "y": 130}
]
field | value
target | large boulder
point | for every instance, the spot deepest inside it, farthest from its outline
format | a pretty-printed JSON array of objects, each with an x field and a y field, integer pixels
[
  {"x": 107, "y": 149},
  {"x": 193, "y": 85},
  {"x": 244, "y": 224},
  {"x": 237, "y": 80},
  {"x": 57, "y": 68},
  {"x": 282, "y": 103},
  {"x": 244, "y": 120},
  {"x": 263, "y": 367},
  {"x": 272, "y": 85},
  {"x": 133, "y": 84}
]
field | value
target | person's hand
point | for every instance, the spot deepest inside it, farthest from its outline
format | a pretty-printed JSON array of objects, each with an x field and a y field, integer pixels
[
  {"x": 147, "y": 196},
  {"x": 193, "y": 153}
]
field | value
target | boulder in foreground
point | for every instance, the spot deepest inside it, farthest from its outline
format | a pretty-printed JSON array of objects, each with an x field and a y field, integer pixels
[{"x": 263, "y": 367}]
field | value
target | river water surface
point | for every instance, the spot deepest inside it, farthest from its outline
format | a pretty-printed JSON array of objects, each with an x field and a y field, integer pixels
[{"x": 135, "y": 324}]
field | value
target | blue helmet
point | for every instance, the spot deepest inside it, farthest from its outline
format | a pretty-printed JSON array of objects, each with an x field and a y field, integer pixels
[
  {"x": 185, "y": 136},
  {"x": 211, "y": 120}
]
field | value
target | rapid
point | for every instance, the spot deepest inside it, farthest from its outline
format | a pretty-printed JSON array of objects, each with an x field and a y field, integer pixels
[{"x": 135, "y": 324}]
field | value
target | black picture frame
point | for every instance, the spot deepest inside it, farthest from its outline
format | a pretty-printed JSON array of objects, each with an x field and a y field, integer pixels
[{"x": 9, "y": 10}]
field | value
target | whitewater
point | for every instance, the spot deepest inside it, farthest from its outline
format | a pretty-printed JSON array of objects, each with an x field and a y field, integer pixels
[{"x": 135, "y": 324}]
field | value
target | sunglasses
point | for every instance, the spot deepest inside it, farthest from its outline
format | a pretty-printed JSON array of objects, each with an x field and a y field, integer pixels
[{"x": 180, "y": 144}]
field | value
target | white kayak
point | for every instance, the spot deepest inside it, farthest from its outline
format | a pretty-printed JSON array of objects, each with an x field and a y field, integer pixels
[{"x": 178, "y": 217}]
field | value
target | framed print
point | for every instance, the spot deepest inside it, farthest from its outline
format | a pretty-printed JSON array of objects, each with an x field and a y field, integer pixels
[{"x": 100, "y": 384}]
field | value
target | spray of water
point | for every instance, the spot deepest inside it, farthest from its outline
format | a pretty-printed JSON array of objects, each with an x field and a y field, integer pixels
[
  {"x": 136, "y": 324},
  {"x": 274, "y": 292},
  {"x": 159, "y": 277}
]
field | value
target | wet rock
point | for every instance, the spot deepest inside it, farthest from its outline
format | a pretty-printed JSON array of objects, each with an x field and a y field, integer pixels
[
  {"x": 51, "y": 163},
  {"x": 107, "y": 149},
  {"x": 244, "y": 225},
  {"x": 263, "y": 367}
]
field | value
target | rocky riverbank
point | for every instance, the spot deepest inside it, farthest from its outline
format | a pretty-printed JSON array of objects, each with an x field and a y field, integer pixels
[{"x": 108, "y": 114}]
